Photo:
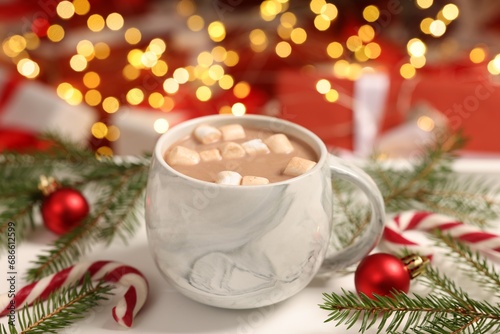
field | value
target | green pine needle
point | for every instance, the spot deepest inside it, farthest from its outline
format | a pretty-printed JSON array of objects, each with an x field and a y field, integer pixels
[
  {"x": 474, "y": 264},
  {"x": 62, "y": 308},
  {"x": 405, "y": 314}
]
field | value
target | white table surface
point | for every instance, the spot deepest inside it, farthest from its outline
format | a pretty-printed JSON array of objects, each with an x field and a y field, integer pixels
[{"x": 167, "y": 311}]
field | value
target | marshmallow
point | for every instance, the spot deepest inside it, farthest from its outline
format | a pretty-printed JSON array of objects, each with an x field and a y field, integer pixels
[
  {"x": 207, "y": 134},
  {"x": 228, "y": 177},
  {"x": 232, "y": 132},
  {"x": 255, "y": 146},
  {"x": 279, "y": 143},
  {"x": 232, "y": 151},
  {"x": 210, "y": 155},
  {"x": 298, "y": 166},
  {"x": 180, "y": 155},
  {"x": 248, "y": 180}
]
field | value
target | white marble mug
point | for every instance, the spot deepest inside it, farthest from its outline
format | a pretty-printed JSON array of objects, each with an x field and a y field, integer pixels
[{"x": 250, "y": 246}]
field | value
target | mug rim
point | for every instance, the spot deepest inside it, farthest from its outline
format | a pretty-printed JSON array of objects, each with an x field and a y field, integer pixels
[{"x": 159, "y": 151}]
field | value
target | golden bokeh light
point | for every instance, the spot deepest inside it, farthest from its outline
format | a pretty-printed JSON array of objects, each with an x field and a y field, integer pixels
[
  {"x": 225, "y": 110},
  {"x": 115, "y": 21},
  {"x": 425, "y": 25},
  {"x": 170, "y": 86},
  {"x": 134, "y": 57},
  {"x": 216, "y": 31},
  {"x": 321, "y": 23},
  {"x": 450, "y": 11},
  {"x": 373, "y": 50},
  {"x": 28, "y": 68},
  {"x": 32, "y": 41},
  {"x": 135, "y": 96},
  {"x": 371, "y": 13},
  {"x": 341, "y": 68},
  {"x": 96, "y": 22},
  {"x": 437, "y": 28},
  {"x": 161, "y": 125},
  {"x": 102, "y": 50},
  {"x": 160, "y": 68},
  {"x": 93, "y": 97},
  {"x": 424, "y": 4},
  {"x": 226, "y": 82},
  {"x": 418, "y": 62},
  {"x": 407, "y": 71},
  {"x": 195, "y": 23},
  {"x": 425, "y": 123},
  {"x": 354, "y": 43},
  {"x": 91, "y": 79},
  {"x": 416, "y": 47},
  {"x": 149, "y": 59},
  {"x": 219, "y": 53},
  {"x": 82, "y": 7},
  {"x": 157, "y": 46},
  {"x": 186, "y": 7},
  {"x": 205, "y": 59},
  {"x": 203, "y": 93},
  {"x": 133, "y": 36},
  {"x": 335, "y": 50},
  {"x": 323, "y": 86},
  {"x": 238, "y": 109},
  {"x": 216, "y": 72},
  {"x": 110, "y": 104},
  {"x": 288, "y": 20},
  {"x": 232, "y": 58},
  {"x": 99, "y": 130},
  {"x": 366, "y": 33},
  {"x": 55, "y": 33},
  {"x": 242, "y": 89},
  {"x": 269, "y": 9},
  {"x": 181, "y": 75},
  {"x": 104, "y": 152},
  {"x": 298, "y": 35},
  {"x": 316, "y": 6},
  {"x": 78, "y": 63},
  {"x": 168, "y": 104},
  {"x": 75, "y": 97},
  {"x": 332, "y": 95},
  {"x": 156, "y": 100},
  {"x": 64, "y": 90},
  {"x": 329, "y": 11},
  {"x": 65, "y": 10},
  {"x": 258, "y": 40},
  {"x": 283, "y": 49},
  {"x": 477, "y": 55},
  {"x": 85, "y": 48},
  {"x": 130, "y": 72},
  {"x": 113, "y": 133}
]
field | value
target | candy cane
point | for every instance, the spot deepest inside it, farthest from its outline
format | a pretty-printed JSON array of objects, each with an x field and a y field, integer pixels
[
  {"x": 394, "y": 240},
  {"x": 126, "y": 308}
]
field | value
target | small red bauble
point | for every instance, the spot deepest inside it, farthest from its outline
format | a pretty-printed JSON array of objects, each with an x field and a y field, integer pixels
[
  {"x": 64, "y": 209},
  {"x": 382, "y": 274}
]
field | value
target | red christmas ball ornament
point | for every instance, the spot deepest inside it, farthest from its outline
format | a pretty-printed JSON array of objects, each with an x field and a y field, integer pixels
[
  {"x": 62, "y": 209},
  {"x": 382, "y": 273}
]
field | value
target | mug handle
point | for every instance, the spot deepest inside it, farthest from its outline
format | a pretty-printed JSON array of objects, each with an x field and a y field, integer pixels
[{"x": 369, "y": 239}]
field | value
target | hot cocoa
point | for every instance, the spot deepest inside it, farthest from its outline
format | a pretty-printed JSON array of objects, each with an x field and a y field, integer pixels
[{"x": 233, "y": 154}]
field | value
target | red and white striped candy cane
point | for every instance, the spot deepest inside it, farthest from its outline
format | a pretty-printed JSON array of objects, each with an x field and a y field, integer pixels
[
  {"x": 394, "y": 240},
  {"x": 113, "y": 272}
]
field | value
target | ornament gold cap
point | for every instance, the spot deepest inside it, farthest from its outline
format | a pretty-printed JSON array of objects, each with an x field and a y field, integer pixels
[
  {"x": 415, "y": 264},
  {"x": 47, "y": 185}
]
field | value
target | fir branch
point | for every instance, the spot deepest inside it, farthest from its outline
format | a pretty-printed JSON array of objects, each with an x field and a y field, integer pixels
[
  {"x": 63, "y": 308},
  {"x": 113, "y": 208},
  {"x": 472, "y": 263},
  {"x": 407, "y": 314}
]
